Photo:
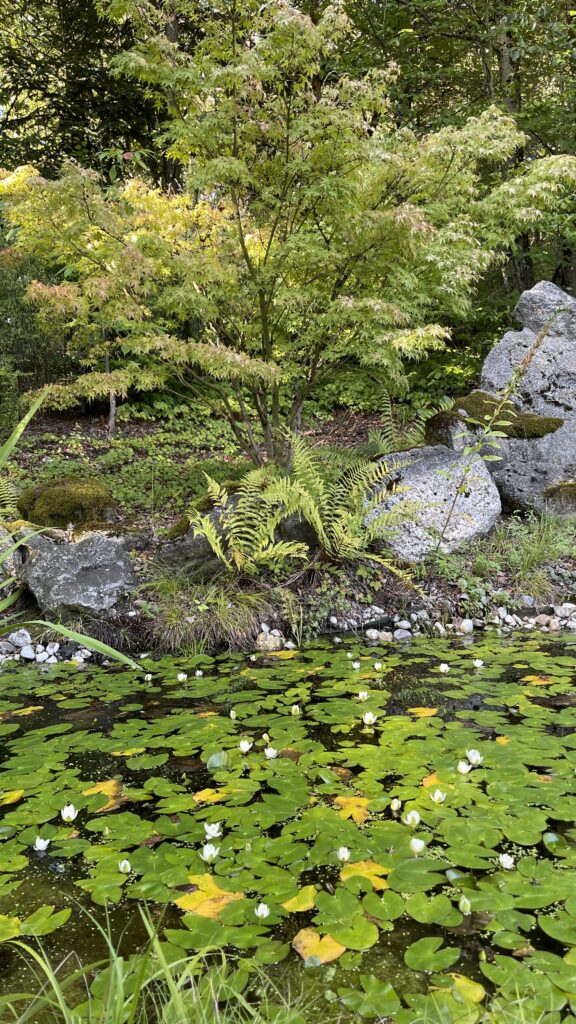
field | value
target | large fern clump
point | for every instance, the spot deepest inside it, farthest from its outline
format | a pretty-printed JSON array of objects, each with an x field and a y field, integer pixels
[{"x": 346, "y": 513}]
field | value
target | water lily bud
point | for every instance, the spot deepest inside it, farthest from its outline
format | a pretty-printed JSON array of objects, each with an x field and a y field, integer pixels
[
  {"x": 262, "y": 910},
  {"x": 244, "y": 746},
  {"x": 417, "y": 845},
  {"x": 69, "y": 813},
  {"x": 265, "y": 737},
  {"x": 369, "y": 718},
  {"x": 464, "y": 905},
  {"x": 295, "y": 710},
  {"x": 362, "y": 696},
  {"x": 198, "y": 672},
  {"x": 212, "y": 831},
  {"x": 209, "y": 852},
  {"x": 337, "y": 639},
  {"x": 478, "y": 663},
  {"x": 395, "y": 805},
  {"x": 444, "y": 667},
  {"x": 148, "y": 677},
  {"x": 463, "y": 767},
  {"x": 182, "y": 677},
  {"x": 270, "y": 753},
  {"x": 474, "y": 756},
  {"x": 506, "y": 861},
  {"x": 124, "y": 867},
  {"x": 411, "y": 818},
  {"x": 233, "y": 715},
  {"x": 40, "y": 845},
  {"x": 253, "y": 657},
  {"x": 349, "y": 654},
  {"x": 377, "y": 666},
  {"x": 343, "y": 854},
  {"x": 438, "y": 797}
]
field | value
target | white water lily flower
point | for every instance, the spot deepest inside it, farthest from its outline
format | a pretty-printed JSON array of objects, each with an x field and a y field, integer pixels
[
  {"x": 443, "y": 667},
  {"x": 377, "y": 666},
  {"x": 475, "y": 757},
  {"x": 355, "y": 664},
  {"x": 337, "y": 639},
  {"x": 349, "y": 654},
  {"x": 253, "y": 657},
  {"x": 68, "y": 813},
  {"x": 262, "y": 910},
  {"x": 198, "y": 672},
  {"x": 369, "y": 718},
  {"x": 417, "y": 845},
  {"x": 463, "y": 767},
  {"x": 506, "y": 861},
  {"x": 124, "y": 867},
  {"x": 182, "y": 677},
  {"x": 464, "y": 905},
  {"x": 148, "y": 677},
  {"x": 213, "y": 831},
  {"x": 343, "y": 854},
  {"x": 270, "y": 753},
  {"x": 296, "y": 710},
  {"x": 411, "y": 818},
  {"x": 395, "y": 805},
  {"x": 362, "y": 695},
  {"x": 209, "y": 852},
  {"x": 244, "y": 746},
  {"x": 438, "y": 797},
  {"x": 478, "y": 663},
  {"x": 41, "y": 844},
  {"x": 233, "y": 714}
]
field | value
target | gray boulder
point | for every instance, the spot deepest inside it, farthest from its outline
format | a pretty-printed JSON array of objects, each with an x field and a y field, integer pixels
[
  {"x": 540, "y": 472},
  {"x": 90, "y": 576},
  {"x": 434, "y": 508}
]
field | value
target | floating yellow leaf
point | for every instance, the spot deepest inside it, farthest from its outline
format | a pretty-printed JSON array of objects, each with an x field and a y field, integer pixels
[
  {"x": 206, "y": 714},
  {"x": 354, "y": 807},
  {"x": 12, "y": 796},
  {"x": 430, "y": 780},
  {"x": 208, "y": 899},
  {"x": 423, "y": 712},
  {"x": 366, "y": 869},
  {"x": 537, "y": 680},
  {"x": 283, "y": 655},
  {"x": 209, "y": 796},
  {"x": 129, "y": 752},
  {"x": 502, "y": 740},
  {"x": 112, "y": 788},
  {"x": 308, "y": 943},
  {"x": 304, "y": 900},
  {"x": 27, "y": 711},
  {"x": 470, "y": 991}
]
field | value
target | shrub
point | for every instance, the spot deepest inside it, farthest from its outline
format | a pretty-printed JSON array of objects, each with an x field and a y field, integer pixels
[{"x": 9, "y": 400}]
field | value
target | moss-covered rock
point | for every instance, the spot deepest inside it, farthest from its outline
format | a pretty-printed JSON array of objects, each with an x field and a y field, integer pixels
[
  {"x": 61, "y": 502},
  {"x": 178, "y": 529},
  {"x": 480, "y": 406},
  {"x": 562, "y": 496}
]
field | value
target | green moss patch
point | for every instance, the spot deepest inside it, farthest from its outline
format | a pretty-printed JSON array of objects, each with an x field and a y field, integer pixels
[
  {"x": 563, "y": 493},
  {"x": 480, "y": 406},
  {"x": 62, "y": 502}
]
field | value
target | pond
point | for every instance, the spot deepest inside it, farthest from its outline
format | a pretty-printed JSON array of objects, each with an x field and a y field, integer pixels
[{"x": 390, "y": 831}]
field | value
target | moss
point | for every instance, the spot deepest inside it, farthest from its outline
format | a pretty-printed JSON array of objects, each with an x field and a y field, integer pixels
[
  {"x": 178, "y": 529},
  {"x": 60, "y": 503},
  {"x": 479, "y": 405},
  {"x": 562, "y": 494}
]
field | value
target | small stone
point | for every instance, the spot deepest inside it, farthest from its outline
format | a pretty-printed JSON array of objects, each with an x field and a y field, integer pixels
[
  {"x": 290, "y": 645},
  {"x": 542, "y": 620},
  {"x": 439, "y": 628},
  {"x": 85, "y": 653},
  {"x": 52, "y": 648},
  {"x": 28, "y": 652},
  {"x": 275, "y": 632},
  {"x": 372, "y": 634},
  {"x": 6, "y": 648},
  {"x": 502, "y": 612},
  {"x": 20, "y": 638},
  {"x": 385, "y": 637},
  {"x": 402, "y": 634},
  {"x": 333, "y": 620},
  {"x": 509, "y": 620},
  {"x": 52, "y": 660},
  {"x": 404, "y": 624},
  {"x": 264, "y": 627},
  {"x": 527, "y": 601},
  {"x": 466, "y": 626},
  {"x": 554, "y": 625},
  {"x": 39, "y": 648},
  {"x": 564, "y": 611},
  {"x": 42, "y": 657},
  {"x": 266, "y": 642}
]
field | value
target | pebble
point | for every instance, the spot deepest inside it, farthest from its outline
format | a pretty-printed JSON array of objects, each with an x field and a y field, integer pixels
[
  {"x": 20, "y": 638},
  {"x": 402, "y": 634},
  {"x": 440, "y": 629},
  {"x": 43, "y": 656},
  {"x": 52, "y": 648},
  {"x": 6, "y": 648},
  {"x": 28, "y": 652},
  {"x": 466, "y": 626},
  {"x": 404, "y": 624},
  {"x": 264, "y": 627},
  {"x": 372, "y": 634},
  {"x": 333, "y": 620}
]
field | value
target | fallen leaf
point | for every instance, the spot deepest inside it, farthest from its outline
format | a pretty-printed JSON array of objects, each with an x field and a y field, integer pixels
[
  {"x": 304, "y": 900},
  {"x": 112, "y": 788},
  {"x": 537, "y": 680},
  {"x": 129, "y": 752},
  {"x": 431, "y": 780},
  {"x": 423, "y": 712},
  {"x": 470, "y": 991},
  {"x": 354, "y": 807},
  {"x": 366, "y": 869},
  {"x": 308, "y": 943},
  {"x": 209, "y": 796},
  {"x": 502, "y": 740},
  {"x": 207, "y": 899},
  {"x": 23, "y": 712}
]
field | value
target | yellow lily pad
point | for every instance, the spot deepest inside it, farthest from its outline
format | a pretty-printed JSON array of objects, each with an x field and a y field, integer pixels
[
  {"x": 12, "y": 796},
  {"x": 304, "y": 900},
  {"x": 355, "y": 807},
  {"x": 112, "y": 788},
  {"x": 470, "y": 991},
  {"x": 209, "y": 796},
  {"x": 208, "y": 899},
  {"x": 366, "y": 869},
  {"x": 129, "y": 752},
  {"x": 308, "y": 943},
  {"x": 423, "y": 712}
]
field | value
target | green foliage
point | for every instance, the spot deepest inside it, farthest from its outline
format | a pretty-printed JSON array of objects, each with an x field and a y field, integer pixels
[
  {"x": 65, "y": 502},
  {"x": 399, "y": 432},
  {"x": 10, "y": 401}
]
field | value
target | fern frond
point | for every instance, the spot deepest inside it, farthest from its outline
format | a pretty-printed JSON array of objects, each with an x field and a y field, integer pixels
[
  {"x": 216, "y": 492},
  {"x": 203, "y": 526}
]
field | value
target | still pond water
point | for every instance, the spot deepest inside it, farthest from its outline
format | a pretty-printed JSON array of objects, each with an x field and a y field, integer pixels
[{"x": 303, "y": 771}]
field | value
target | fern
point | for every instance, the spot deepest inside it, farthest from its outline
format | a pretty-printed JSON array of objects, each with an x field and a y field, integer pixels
[
  {"x": 397, "y": 433},
  {"x": 8, "y": 509}
]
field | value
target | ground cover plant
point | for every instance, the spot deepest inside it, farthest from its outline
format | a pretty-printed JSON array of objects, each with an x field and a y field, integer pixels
[{"x": 398, "y": 824}]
